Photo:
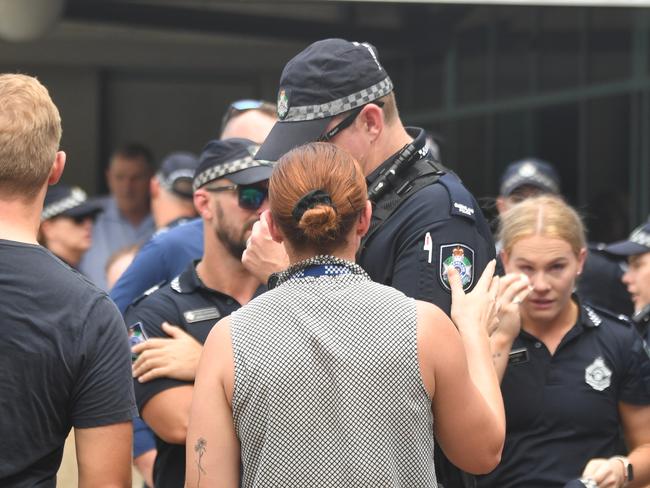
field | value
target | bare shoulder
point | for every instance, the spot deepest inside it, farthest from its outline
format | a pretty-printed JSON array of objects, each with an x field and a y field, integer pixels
[{"x": 432, "y": 320}]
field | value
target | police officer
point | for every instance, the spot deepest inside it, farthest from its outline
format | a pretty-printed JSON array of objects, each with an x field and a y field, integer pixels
[
  {"x": 67, "y": 222},
  {"x": 600, "y": 281},
  {"x": 230, "y": 190},
  {"x": 424, "y": 219},
  {"x": 637, "y": 276}
]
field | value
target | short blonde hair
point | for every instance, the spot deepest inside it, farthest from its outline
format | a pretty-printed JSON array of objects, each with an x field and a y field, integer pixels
[
  {"x": 30, "y": 132},
  {"x": 543, "y": 215}
]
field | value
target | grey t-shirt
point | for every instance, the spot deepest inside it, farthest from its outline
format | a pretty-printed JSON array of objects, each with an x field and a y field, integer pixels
[{"x": 64, "y": 362}]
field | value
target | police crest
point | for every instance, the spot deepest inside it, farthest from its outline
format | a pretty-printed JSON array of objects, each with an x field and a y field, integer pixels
[
  {"x": 283, "y": 104},
  {"x": 460, "y": 257},
  {"x": 598, "y": 375}
]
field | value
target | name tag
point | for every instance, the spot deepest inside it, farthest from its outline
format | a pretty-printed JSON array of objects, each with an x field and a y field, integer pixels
[
  {"x": 201, "y": 314},
  {"x": 518, "y": 356}
]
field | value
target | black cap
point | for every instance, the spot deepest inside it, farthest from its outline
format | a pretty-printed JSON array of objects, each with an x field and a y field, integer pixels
[
  {"x": 63, "y": 200},
  {"x": 637, "y": 243},
  {"x": 176, "y": 173},
  {"x": 232, "y": 159},
  {"x": 328, "y": 78},
  {"x": 529, "y": 172}
]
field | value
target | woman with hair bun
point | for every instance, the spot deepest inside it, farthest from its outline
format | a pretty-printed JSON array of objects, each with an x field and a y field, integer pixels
[
  {"x": 574, "y": 376},
  {"x": 330, "y": 379}
]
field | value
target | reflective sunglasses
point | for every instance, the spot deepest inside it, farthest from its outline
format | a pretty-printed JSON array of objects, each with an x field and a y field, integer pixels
[
  {"x": 249, "y": 197},
  {"x": 239, "y": 106},
  {"x": 346, "y": 122}
]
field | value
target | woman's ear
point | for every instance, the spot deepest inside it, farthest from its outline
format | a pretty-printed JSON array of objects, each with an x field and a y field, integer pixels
[
  {"x": 582, "y": 257},
  {"x": 365, "y": 218},
  {"x": 274, "y": 231}
]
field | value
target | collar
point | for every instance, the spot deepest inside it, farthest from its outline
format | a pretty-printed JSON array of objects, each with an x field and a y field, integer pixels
[
  {"x": 189, "y": 282},
  {"x": 419, "y": 141},
  {"x": 336, "y": 266}
]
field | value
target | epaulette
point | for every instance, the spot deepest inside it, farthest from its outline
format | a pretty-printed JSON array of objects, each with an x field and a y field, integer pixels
[
  {"x": 462, "y": 203},
  {"x": 619, "y": 318},
  {"x": 148, "y": 292}
]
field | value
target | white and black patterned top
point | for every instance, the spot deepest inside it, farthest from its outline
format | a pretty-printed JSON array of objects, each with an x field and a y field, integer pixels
[{"x": 328, "y": 391}]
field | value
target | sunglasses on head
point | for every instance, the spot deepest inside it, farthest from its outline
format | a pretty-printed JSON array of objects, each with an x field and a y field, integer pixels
[
  {"x": 239, "y": 106},
  {"x": 249, "y": 197}
]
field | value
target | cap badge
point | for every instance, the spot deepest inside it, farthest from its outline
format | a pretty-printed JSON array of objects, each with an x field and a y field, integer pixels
[
  {"x": 598, "y": 375},
  {"x": 252, "y": 150},
  {"x": 283, "y": 104},
  {"x": 460, "y": 257},
  {"x": 527, "y": 170}
]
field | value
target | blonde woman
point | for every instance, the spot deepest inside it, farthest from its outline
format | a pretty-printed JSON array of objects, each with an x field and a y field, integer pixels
[{"x": 573, "y": 376}]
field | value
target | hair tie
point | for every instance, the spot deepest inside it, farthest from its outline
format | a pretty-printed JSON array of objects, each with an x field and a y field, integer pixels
[{"x": 311, "y": 200}]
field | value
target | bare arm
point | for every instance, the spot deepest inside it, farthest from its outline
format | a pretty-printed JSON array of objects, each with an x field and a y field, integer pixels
[
  {"x": 104, "y": 456},
  {"x": 609, "y": 473},
  {"x": 168, "y": 412},
  {"x": 212, "y": 447},
  {"x": 457, "y": 368}
]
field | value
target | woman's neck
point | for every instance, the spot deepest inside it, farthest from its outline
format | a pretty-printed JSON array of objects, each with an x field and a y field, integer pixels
[{"x": 551, "y": 332}]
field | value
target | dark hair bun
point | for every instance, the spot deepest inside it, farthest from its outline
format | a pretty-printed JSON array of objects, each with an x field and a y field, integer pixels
[{"x": 320, "y": 224}]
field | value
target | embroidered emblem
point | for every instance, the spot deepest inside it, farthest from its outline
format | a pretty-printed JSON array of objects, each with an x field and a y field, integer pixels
[
  {"x": 283, "y": 104},
  {"x": 460, "y": 257},
  {"x": 598, "y": 375},
  {"x": 428, "y": 245}
]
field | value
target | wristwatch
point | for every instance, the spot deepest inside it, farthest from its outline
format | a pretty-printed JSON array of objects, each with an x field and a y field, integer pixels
[{"x": 628, "y": 471}]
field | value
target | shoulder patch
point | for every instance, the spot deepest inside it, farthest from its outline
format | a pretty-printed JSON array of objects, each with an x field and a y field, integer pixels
[
  {"x": 461, "y": 257},
  {"x": 462, "y": 202}
]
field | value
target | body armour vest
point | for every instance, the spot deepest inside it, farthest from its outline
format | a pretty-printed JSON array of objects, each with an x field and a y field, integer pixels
[{"x": 328, "y": 391}]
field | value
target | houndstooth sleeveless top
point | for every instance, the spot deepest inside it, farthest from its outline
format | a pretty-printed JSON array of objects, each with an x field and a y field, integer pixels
[{"x": 328, "y": 391}]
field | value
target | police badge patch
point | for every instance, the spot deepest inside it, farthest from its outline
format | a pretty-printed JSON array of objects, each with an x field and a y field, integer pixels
[
  {"x": 460, "y": 257},
  {"x": 598, "y": 375},
  {"x": 283, "y": 104}
]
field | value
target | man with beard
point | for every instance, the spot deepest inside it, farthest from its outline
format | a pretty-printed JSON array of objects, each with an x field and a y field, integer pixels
[{"x": 230, "y": 190}]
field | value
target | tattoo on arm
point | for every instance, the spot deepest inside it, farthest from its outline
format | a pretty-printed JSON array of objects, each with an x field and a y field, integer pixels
[
  {"x": 200, "y": 448},
  {"x": 496, "y": 356}
]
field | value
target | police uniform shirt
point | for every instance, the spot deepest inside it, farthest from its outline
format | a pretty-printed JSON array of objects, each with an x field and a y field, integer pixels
[
  {"x": 187, "y": 303},
  {"x": 438, "y": 226},
  {"x": 64, "y": 362},
  {"x": 562, "y": 410},
  {"x": 162, "y": 258}
]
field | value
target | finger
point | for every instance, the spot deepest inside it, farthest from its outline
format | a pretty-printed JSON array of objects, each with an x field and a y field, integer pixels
[
  {"x": 173, "y": 330},
  {"x": 515, "y": 288},
  {"x": 495, "y": 284},
  {"x": 486, "y": 277},
  {"x": 153, "y": 374},
  {"x": 591, "y": 468},
  {"x": 455, "y": 284},
  {"x": 147, "y": 366}
]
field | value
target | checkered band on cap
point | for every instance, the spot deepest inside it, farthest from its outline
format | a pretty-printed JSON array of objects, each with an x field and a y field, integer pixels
[
  {"x": 328, "y": 390},
  {"x": 329, "y": 109},
  {"x": 641, "y": 237},
  {"x": 222, "y": 170},
  {"x": 77, "y": 197}
]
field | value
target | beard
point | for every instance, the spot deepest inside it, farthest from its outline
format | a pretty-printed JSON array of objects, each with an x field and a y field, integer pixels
[{"x": 234, "y": 240}]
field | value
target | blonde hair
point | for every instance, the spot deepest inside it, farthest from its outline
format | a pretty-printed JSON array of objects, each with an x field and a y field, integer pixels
[
  {"x": 30, "y": 132},
  {"x": 543, "y": 215}
]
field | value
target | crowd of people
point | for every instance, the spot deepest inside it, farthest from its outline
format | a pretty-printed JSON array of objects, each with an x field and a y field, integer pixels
[{"x": 312, "y": 300}]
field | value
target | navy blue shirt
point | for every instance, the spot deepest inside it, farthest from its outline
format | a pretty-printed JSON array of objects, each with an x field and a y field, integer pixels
[
  {"x": 162, "y": 258},
  {"x": 439, "y": 225},
  {"x": 189, "y": 304},
  {"x": 64, "y": 362},
  {"x": 562, "y": 410}
]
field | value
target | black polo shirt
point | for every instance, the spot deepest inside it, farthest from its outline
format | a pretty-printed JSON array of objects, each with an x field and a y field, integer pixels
[
  {"x": 562, "y": 410},
  {"x": 439, "y": 225},
  {"x": 189, "y": 304}
]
